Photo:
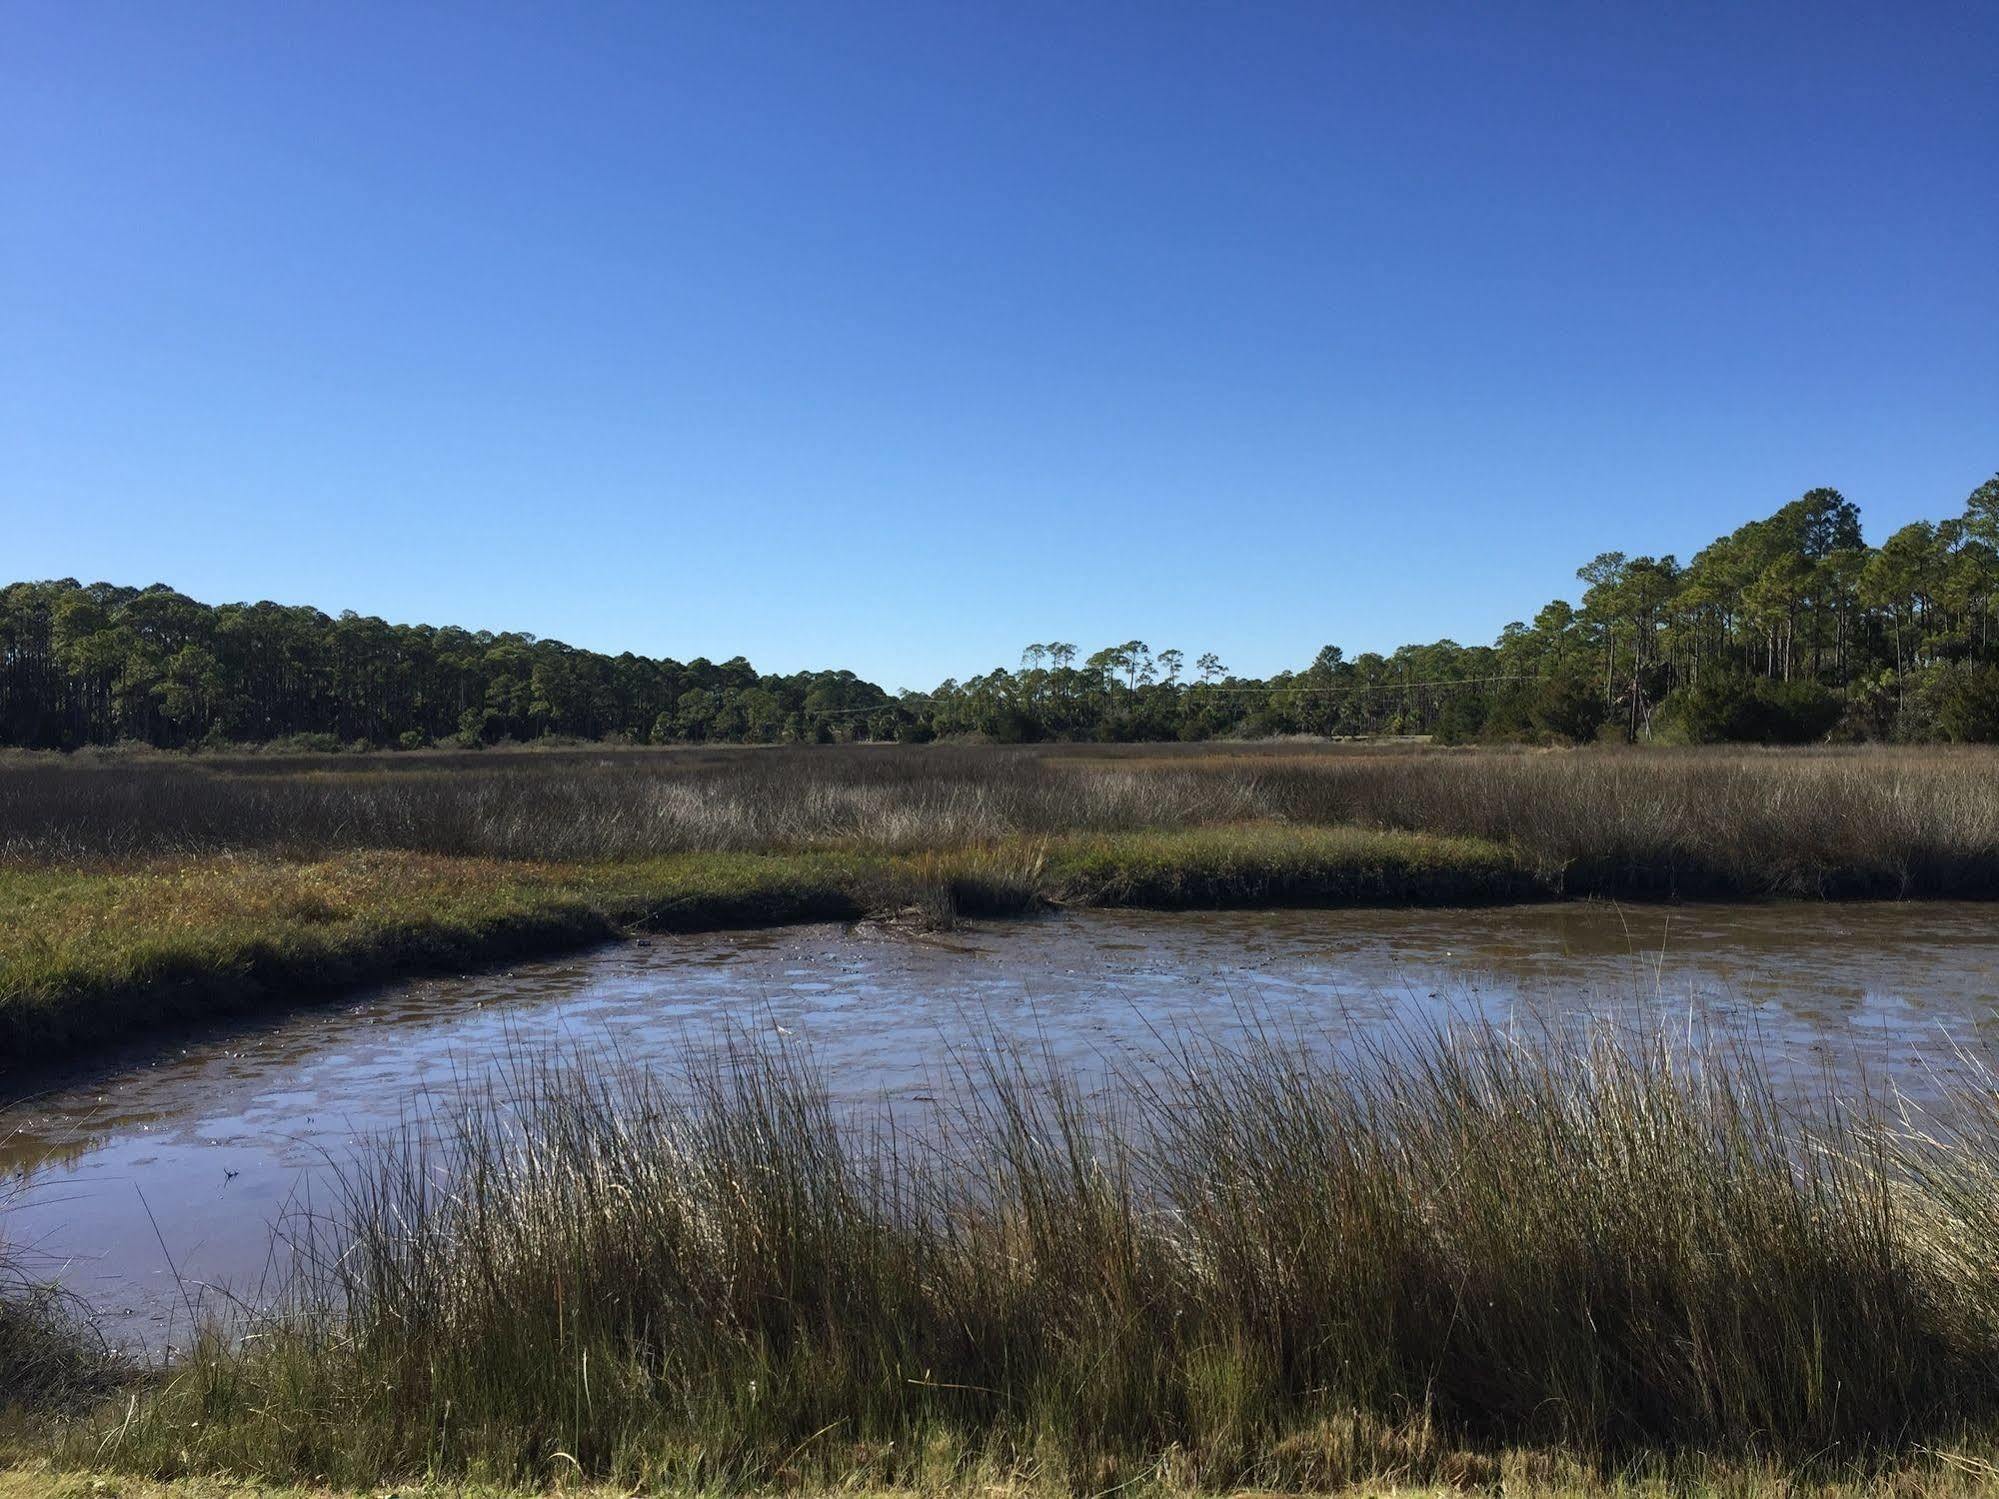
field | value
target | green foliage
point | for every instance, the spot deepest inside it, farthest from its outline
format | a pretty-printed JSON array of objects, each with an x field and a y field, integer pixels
[
  {"x": 97, "y": 664},
  {"x": 1966, "y": 702},
  {"x": 1718, "y": 709},
  {"x": 1797, "y": 599},
  {"x": 1460, "y": 720},
  {"x": 472, "y": 728},
  {"x": 1568, "y": 708}
]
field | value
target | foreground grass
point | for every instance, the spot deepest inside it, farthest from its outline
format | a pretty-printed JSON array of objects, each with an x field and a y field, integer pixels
[
  {"x": 31, "y": 1478},
  {"x": 1955, "y": 1476},
  {"x": 35, "y": 1478},
  {"x": 1448, "y": 1260},
  {"x": 51, "y": 1354},
  {"x": 90, "y": 954}
]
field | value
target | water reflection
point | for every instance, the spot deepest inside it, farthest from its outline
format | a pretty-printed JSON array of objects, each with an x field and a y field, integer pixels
[{"x": 201, "y": 1149}]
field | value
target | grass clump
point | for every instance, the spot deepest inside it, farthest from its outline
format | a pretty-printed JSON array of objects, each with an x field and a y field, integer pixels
[
  {"x": 50, "y": 1353},
  {"x": 52, "y": 1356},
  {"x": 1446, "y": 1254},
  {"x": 1269, "y": 864}
]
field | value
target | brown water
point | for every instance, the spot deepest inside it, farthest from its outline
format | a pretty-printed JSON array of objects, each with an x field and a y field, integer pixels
[{"x": 144, "y": 1184}]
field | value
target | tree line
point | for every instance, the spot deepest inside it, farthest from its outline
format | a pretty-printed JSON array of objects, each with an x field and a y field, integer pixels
[{"x": 1789, "y": 629}]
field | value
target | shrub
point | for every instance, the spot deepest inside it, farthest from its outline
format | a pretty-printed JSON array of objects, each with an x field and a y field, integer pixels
[
  {"x": 306, "y": 744},
  {"x": 1754, "y": 710},
  {"x": 479, "y": 726},
  {"x": 1460, "y": 720},
  {"x": 1967, "y": 704},
  {"x": 1568, "y": 707},
  {"x": 1871, "y": 707}
]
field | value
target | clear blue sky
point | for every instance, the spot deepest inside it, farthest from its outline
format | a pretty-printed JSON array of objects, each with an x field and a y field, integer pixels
[{"x": 898, "y": 336}]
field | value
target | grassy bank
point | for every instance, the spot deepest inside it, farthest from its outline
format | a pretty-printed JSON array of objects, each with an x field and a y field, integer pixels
[
  {"x": 1459, "y": 1260},
  {"x": 88, "y": 955},
  {"x": 147, "y": 891}
]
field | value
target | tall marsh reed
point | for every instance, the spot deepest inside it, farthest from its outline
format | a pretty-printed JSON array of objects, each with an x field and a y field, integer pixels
[
  {"x": 51, "y": 1353},
  {"x": 1863, "y": 821},
  {"x": 1243, "y": 1265}
]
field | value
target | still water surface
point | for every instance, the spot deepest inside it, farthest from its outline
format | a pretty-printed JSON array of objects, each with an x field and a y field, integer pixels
[{"x": 141, "y": 1183}]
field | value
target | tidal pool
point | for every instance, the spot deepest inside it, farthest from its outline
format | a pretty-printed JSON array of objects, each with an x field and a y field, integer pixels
[{"x": 142, "y": 1183}]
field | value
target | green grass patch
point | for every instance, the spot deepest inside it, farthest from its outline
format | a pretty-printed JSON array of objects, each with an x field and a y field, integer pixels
[{"x": 90, "y": 954}]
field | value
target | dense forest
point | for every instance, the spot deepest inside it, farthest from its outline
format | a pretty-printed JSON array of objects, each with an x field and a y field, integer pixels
[{"x": 1790, "y": 629}]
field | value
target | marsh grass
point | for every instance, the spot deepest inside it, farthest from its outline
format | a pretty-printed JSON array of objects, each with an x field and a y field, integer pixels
[
  {"x": 52, "y": 1355},
  {"x": 1520, "y": 1475},
  {"x": 88, "y": 955},
  {"x": 1453, "y": 1257},
  {"x": 1276, "y": 864},
  {"x": 1859, "y": 821},
  {"x": 50, "y": 1352},
  {"x": 146, "y": 890}
]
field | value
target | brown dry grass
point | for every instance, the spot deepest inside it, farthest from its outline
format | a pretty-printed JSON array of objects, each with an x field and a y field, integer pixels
[{"x": 1720, "y": 821}]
